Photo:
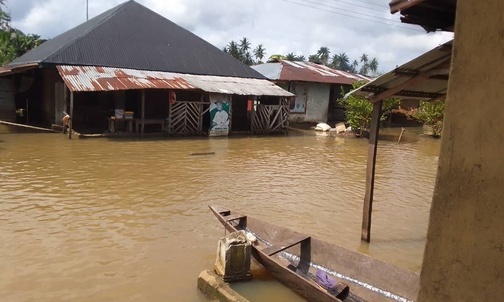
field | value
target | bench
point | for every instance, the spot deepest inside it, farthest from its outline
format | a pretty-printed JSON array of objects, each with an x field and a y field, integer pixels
[
  {"x": 242, "y": 219},
  {"x": 277, "y": 248}
]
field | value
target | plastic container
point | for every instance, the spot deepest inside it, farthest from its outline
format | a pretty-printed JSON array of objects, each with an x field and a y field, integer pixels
[
  {"x": 119, "y": 113},
  {"x": 128, "y": 114}
]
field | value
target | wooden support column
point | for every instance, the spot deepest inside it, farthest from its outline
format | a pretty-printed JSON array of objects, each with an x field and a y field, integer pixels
[
  {"x": 70, "y": 125},
  {"x": 143, "y": 112},
  {"x": 200, "y": 118},
  {"x": 370, "y": 171}
]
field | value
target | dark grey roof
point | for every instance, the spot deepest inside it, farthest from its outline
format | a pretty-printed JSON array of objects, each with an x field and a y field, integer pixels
[{"x": 132, "y": 36}]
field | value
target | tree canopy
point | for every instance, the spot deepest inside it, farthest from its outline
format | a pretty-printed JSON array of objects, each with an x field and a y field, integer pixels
[
  {"x": 364, "y": 65},
  {"x": 13, "y": 42}
]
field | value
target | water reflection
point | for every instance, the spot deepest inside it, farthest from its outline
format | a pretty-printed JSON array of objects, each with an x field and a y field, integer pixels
[{"x": 99, "y": 219}]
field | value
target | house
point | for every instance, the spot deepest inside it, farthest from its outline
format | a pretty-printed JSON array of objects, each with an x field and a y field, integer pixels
[
  {"x": 317, "y": 88},
  {"x": 130, "y": 69}
]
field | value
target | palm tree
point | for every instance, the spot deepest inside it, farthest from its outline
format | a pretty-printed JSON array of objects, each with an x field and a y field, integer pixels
[
  {"x": 341, "y": 61},
  {"x": 244, "y": 45},
  {"x": 300, "y": 58},
  {"x": 247, "y": 59},
  {"x": 4, "y": 17},
  {"x": 314, "y": 59},
  {"x": 323, "y": 54},
  {"x": 373, "y": 65},
  {"x": 291, "y": 56},
  {"x": 364, "y": 58},
  {"x": 353, "y": 66},
  {"x": 233, "y": 50},
  {"x": 259, "y": 53}
]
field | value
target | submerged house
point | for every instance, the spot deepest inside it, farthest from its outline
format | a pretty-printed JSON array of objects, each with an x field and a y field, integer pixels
[
  {"x": 317, "y": 88},
  {"x": 131, "y": 70}
]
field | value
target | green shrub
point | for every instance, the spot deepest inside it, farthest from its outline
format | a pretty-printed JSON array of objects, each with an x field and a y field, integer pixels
[
  {"x": 358, "y": 109},
  {"x": 431, "y": 114}
]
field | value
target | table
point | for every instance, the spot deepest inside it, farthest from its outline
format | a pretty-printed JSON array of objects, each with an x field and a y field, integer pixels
[
  {"x": 149, "y": 121},
  {"x": 128, "y": 121}
]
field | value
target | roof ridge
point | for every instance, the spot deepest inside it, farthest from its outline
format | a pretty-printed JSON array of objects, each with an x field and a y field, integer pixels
[{"x": 111, "y": 12}]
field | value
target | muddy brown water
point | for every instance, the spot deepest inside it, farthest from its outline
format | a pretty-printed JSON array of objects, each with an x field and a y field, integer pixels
[{"x": 127, "y": 219}]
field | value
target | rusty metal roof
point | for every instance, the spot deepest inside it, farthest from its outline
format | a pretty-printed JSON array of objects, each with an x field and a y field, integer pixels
[
  {"x": 7, "y": 70},
  {"x": 96, "y": 78},
  {"x": 425, "y": 77},
  {"x": 285, "y": 70}
]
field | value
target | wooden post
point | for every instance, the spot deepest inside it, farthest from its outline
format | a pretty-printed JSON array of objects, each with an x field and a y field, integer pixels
[
  {"x": 230, "y": 125},
  {"x": 143, "y": 112},
  {"x": 370, "y": 171},
  {"x": 200, "y": 119},
  {"x": 70, "y": 128}
]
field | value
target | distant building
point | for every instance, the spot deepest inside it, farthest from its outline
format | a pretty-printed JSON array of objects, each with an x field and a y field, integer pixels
[
  {"x": 130, "y": 69},
  {"x": 317, "y": 88}
]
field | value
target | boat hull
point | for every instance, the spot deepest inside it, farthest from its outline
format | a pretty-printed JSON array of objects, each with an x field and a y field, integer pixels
[{"x": 369, "y": 279}]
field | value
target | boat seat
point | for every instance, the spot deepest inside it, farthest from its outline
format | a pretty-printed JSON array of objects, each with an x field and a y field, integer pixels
[
  {"x": 242, "y": 219},
  {"x": 234, "y": 217},
  {"x": 277, "y": 248}
]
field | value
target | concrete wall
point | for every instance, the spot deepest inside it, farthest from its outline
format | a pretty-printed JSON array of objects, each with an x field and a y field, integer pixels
[
  {"x": 464, "y": 255},
  {"x": 317, "y": 102}
]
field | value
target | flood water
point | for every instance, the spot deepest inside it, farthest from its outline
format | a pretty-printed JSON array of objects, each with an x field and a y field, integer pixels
[{"x": 127, "y": 220}]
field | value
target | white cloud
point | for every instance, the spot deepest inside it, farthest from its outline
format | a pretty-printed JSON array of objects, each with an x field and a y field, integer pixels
[{"x": 280, "y": 25}]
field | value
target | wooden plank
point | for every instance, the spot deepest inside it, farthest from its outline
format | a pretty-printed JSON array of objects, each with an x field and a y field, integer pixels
[
  {"x": 234, "y": 217},
  {"x": 370, "y": 171},
  {"x": 26, "y": 126},
  {"x": 277, "y": 248},
  {"x": 200, "y": 117},
  {"x": 390, "y": 92},
  {"x": 143, "y": 112},
  {"x": 242, "y": 219}
]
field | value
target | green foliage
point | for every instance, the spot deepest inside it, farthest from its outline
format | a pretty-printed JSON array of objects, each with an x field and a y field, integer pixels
[
  {"x": 13, "y": 42},
  {"x": 259, "y": 53},
  {"x": 359, "y": 109},
  {"x": 292, "y": 57},
  {"x": 276, "y": 58},
  {"x": 241, "y": 51},
  {"x": 431, "y": 114}
]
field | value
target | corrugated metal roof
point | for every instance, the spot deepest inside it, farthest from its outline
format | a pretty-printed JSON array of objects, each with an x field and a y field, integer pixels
[
  {"x": 96, "y": 78},
  {"x": 285, "y": 70},
  {"x": 132, "y": 36},
  {"x": 428, "y": 75},
  {"x": 430, "y": 14}
]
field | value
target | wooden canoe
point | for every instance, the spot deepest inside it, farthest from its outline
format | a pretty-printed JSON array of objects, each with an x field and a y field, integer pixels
[{"x": 295, "y": 258}]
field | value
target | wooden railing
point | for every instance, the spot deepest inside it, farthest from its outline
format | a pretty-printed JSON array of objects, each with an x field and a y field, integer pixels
[
  {"x": 186, "y": 118},
  {"x": 271, "y": 118}
]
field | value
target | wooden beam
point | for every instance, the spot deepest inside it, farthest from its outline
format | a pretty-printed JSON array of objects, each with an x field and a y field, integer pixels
[
  {"x": 70, "y": 128},
  {"x": 399, "y": 5},
  {"x": 370, "y": 171},
  {"x": 390, "y": 92},
  {"x": 143, "y": 112}
]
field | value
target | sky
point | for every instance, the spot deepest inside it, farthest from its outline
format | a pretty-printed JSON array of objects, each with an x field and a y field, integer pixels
[{"x": 281, "y": 26}]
